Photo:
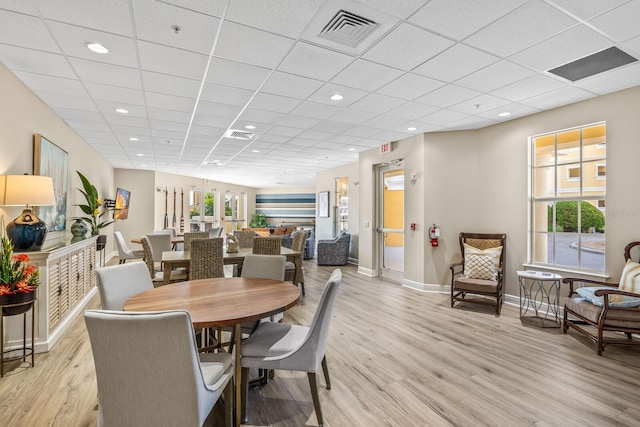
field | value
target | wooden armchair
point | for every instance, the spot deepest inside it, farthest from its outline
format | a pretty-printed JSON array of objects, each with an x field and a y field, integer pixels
[
  {"x": 480, "y": 272},
  {"x": 602, "y": 311}
]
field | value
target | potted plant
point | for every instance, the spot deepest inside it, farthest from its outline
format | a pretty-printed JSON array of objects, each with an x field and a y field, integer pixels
[
  {"x": 258, "y": 220},
  {"x": 93, "y": 209},
  {"x": 18, "y": 280}
]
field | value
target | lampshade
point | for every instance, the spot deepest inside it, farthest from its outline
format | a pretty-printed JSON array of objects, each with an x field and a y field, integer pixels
[
  {"x": 27, "y": 232},
  {"x": 21, "y": 190}
]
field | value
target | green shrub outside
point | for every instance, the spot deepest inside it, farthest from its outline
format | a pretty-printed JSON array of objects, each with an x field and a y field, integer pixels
[{"x": 567, "y": 217}]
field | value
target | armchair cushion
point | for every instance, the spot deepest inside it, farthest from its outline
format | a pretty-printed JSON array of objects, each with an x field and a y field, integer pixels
[
  {"x": 588, "y": 293},
  {"x": 630, "y": 279},
  {"x": 480, "y": 267},
  {"x": 493, "y": 252},
  {"x": 616, "y": 318}
]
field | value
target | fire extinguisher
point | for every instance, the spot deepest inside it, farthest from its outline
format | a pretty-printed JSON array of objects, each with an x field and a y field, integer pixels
[{"x": 434, "y": 234}]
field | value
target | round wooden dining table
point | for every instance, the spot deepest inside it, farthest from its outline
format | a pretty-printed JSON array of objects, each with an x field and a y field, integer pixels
[{"x": 221, "y": 302}]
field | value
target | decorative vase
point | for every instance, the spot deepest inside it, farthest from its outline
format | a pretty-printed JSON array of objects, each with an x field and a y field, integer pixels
[
  {"x": 78, "y": 229},
  {"x": 20, "y": 297}
]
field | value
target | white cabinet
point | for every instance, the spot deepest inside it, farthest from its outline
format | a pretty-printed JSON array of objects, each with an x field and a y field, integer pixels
[{"x": 67, "y": 283}]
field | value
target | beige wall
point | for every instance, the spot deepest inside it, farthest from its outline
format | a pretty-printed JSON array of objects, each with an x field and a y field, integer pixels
[{"x": 23, "y": 115}]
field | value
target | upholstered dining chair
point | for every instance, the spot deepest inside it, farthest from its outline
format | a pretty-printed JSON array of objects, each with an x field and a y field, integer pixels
[
  {"x": 157, "y": 276},
  {"x": 170, "y": 231},
  {"x": 245, "y": 238},
  {"x": 282, "y": 346},
  {"x": 118, "y": 283},
  {"x": 479, "y": 277},
  {"x": 189, "y": 237},
  {"x": 206, "y": 258},
  {"x": 298, "y": 244},
  {"x": 603, "y": 311},
  {"x": 124, "y": 253},
  {"x": 215, "y": 232},
  {"x": 142, "y": 381},
  {"x": 267, "y": 245},
  {"x": 159, "y": 243}
]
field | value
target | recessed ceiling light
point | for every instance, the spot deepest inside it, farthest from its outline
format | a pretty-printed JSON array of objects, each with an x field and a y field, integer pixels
[
  {"x": 255, "y": 151},
  {"x": 133, "y": 138},
  {"x": 412, "y": 128},
  {"x": 337, "y": 97},
  {"x": 144, "y": 166},
  {"x": 504, "y": 114},
  {"x": 249, "y": 127},
  {"x": 122, "y": 110},
  {"x": 352, "y": 149},
  {"x": 140, "y": 155},
  {"x": 97, "y": 48}
]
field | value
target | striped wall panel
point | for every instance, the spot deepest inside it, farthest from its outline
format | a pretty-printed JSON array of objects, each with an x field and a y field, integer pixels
[{"x": 292, "y": 205}]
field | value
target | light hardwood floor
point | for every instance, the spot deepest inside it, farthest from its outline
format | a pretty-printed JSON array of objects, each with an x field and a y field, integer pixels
[{"x": 397, "y": 357}]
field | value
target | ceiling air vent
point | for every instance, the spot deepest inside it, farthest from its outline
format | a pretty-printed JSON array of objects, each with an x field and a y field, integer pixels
[
  {"x": 348, "y": 28},
  {"x": 593, "y": 64},
  {"x": 238, "y": 134}
]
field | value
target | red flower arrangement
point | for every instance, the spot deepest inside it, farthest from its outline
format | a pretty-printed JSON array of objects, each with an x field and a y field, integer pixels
[{"x": 16, "y": 276}]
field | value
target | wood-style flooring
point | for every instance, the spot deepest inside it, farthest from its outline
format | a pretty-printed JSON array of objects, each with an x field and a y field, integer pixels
[{"x": 397, "y": 357}]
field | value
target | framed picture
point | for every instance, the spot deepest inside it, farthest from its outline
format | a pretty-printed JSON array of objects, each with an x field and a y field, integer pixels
[
  {"x": 323, "y": 204},
  {"x": 51, "y": 160}
]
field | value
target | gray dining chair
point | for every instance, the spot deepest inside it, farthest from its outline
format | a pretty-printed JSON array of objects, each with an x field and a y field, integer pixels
[
  {"x": 143, "y": 382},
  {"x": 118, "y": 283},
  {"x": 124, "y": 253},
  {"x": 159, "y": 243},
  {"x": 282, "y": 346}
]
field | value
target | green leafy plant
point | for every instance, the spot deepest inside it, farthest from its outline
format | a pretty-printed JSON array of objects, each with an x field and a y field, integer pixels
[
  {"x": 93, "y": 207},
  {"x": 15, "y": 275},
  {"x": 258, "y": 220},
  {"x": 567, "y": 216}
]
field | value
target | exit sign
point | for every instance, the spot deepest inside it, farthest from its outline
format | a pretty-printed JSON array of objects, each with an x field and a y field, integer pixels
[{"x": 385, "y": 148}]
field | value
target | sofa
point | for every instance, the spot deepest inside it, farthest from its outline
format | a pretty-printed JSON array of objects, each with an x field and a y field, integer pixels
[
  {"x": 334, "y": 251},
  {"x": 309, "y": 245}
]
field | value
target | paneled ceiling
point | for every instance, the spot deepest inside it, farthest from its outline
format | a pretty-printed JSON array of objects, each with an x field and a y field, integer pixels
[{"x": 188, "y": 71}]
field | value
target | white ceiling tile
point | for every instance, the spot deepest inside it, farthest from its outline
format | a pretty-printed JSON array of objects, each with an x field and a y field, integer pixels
[
  {"x": 300, "y": 122},
  {"x": 40, "y": 83},
  {"x": 516, "y": 110},
  {"x": 313, "y": 61},
  {"x": 315, "y": 110},
  {"x": 57, "y": 100},
  {"x": 621, "y": 23},
  {"x": 459, "y": 19},
  {"x": 477, "y": 105},
  {"x": 235, "y": 74},
  {"x": 200, "y": 119},
  {"x": 105, "y": 15},
  {"x": 225, "y": 94},
  {"x": 536, "y": 84},
  {"x": 73, "y": 41},
  {"x": 389, "y": 135},
  {"x": 531, "y": 24},
  {"x": 80, "y": 116},
  {"x": 82, "y": 125},
  {"x": 168, "y": 115},
  {"x": 171, "y": 85},
  {"x": 19, "y": 6},
  {"x": 402, "y": 9},
  {"x": 245, "y": 44},
  {"x": 411, "y": 110},
  {"x": 115, "y": 94},
  {"x": 292, "y": 86},
  {"x": 366, "y": 75},
  {"x": 114, "y": 75},
  {"x": 324, "y": 94},
  {"x": 384, "y": 122},
  {"x": 21, "y": 59},
  {"x": 454, "y": 63},
  {"x": 217, "y": 109},
  {"x": 556, "y": 98},
  {"x": 410, "y": 86},
  {"x": 612, "y": 80},
  {"x": 210, "y": 7},
  {"x": 568, "y": 46},
  {"x": 162, "y": 125},
  {"x": 406, "y": 47},
  {"x": 274, "y": 139},
  {"x": 25, "y": 31},
  {"x": 332, "y": 127},
  {"x": 471, "y": 122},
  {"x": 287, "y": 18},
  {"x": 109, "y": 110},
  {"x": 316, "y": 135},
  {"x": 267, "y": 101},
  {"x": 169, "y": 60},
  {"x": 344, "y": 139},
  {"x": 494, "y": 76},
  {"x": 377, "y": 104},
  {"x": 302, "y": 142},
  {"x": 632, "y": 47},
  {"x": 587, "y": 9},
  {"x": 260, "y": 116},
  {"x": 155, "y": 20},
  {"x": 443, "y": 117},
  {"x": 284, "y": 131},
  {"x": 169, "y": 102},
  {"x": 120, "y": 120},
  {"x": 447, "y": 95},
  {"x": 352, "y": 116}
]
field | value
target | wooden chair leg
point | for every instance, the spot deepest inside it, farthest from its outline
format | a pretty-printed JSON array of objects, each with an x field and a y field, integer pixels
[
  {"x": 228, "y": 403},
  {"x": 325, "y": 371},
  {"x": 314, "y": 395},
  {"x": 244, "y": 383}
]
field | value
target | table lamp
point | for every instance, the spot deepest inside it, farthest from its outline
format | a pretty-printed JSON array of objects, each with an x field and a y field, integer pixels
[{"x": 26, "y": 232}]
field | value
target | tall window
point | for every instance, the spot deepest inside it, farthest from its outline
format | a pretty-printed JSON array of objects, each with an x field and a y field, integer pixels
[{"x": 567, "y": 200}]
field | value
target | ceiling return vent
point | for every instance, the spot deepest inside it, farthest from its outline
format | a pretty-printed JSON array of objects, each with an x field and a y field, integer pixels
[
  {"x": 593, "y": 64},
  {"x": 348, "y": 29},
  {"x": 238, "y": 134}
]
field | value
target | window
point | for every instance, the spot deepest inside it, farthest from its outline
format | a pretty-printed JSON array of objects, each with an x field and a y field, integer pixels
[{"x": 567, "y": 198}]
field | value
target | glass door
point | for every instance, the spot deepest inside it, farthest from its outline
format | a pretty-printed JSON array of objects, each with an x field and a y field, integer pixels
[
  {"x": 202, "y": 210},
  {"x": 235, "y": 206},
  {"x": 390, "y": 222},
  {"x": 341, "y": 214}
]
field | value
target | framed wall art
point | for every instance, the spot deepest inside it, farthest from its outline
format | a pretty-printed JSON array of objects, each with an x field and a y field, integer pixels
[
  {"x": 323, "y": 204},
  {"x": 51, "y": 160}
]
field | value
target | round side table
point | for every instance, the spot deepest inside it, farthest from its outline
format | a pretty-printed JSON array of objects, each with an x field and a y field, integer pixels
[{"x": 537, "y": 290}]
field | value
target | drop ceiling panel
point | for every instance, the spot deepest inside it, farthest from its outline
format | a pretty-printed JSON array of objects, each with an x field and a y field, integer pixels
[
  {"x": 20, "y": 59},
  {"x": 587, "y": 9},
  {"x": 479, "y": 104},
  {"x": 115, "y": 94},
  {"x": 279, "y": 104},
  {"x": 57, "y": 100},
  {"x": 611, "y": 81},
  {"x": 290, "y": 85},
  {"x": 447, "y": 95},
  {"x": 315, "y": 110},
  {"x": 332, "y": 127},
  {"x": 170, "y": 85},
  {"x": 286, "y": 18},
  {"x": 522, "y": 28},
  {"x": 209, "y": 7},
  {"x": 536, "y": 84},
  {"x": 261, "y": 116},
  {"x": 407, "y": 46},
  {"x": 113, "y": 75},
  {"x": 51, "y": 84},
  {"x": 454, "y": 63},
  {"x": 169, "y": 60},
  {"x": 384, "y": 122},
  {"x": 315, "y": 62},
  {"x": 25, "y": 31},
  {"x": 296, "y": 121},
  {"x": 620, "y": 23},
  {"x": 411, "y": 111},
  {"x": 376, "y": 104},
  {"x": 80, "y": 116},
  {"x": 225, "y": 94},
  {"x": 556, "y": 98},
  {"x": 366, "y": 75},
  {"x": 284, "y": 131},
  {"x": 19, "y": 6},
  {"x": 494, "y": 76},
  {"x": 410, "y": 86},
  {"x": 443, "y": 117},
  {"x": 105, "y": 15},
  {"x": 324, "y": 94}
]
